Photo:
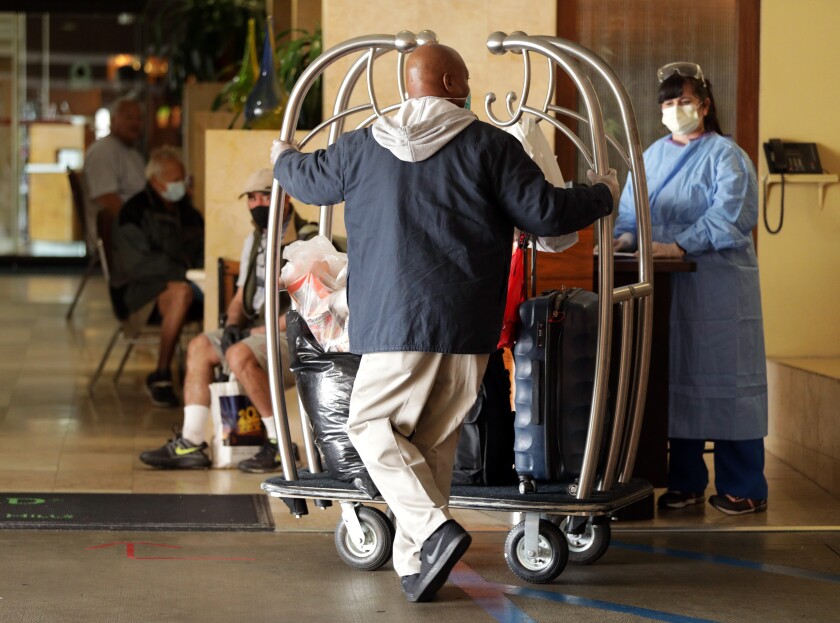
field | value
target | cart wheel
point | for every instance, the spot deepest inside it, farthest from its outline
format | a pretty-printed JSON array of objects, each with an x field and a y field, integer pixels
[
  {"x": 551, "y": 556},
  {"x": 379, "y": 539},
  {"x": 588, "y": 546}
]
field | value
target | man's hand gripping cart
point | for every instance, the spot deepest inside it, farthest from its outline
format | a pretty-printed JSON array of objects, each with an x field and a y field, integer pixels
[{"x": 563, "y": 520}]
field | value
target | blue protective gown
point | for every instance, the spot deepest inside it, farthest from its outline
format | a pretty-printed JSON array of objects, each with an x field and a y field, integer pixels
[{"x": 704, "y": 197}]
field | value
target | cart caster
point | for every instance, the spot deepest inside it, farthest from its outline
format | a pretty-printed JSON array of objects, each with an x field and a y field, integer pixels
[
  {"x": 588, "y": 546},
  {"x": 378, "y": 542},
  {"x": 527, "y": 485},
  {"x": 546, "y": 563}
]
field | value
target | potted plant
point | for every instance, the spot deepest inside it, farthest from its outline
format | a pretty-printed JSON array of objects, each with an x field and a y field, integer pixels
[
  {"x": 293, "y": 56},
  {"x": 202, "y": 39}
]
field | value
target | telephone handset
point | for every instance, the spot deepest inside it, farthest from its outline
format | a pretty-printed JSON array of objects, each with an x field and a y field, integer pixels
[
  {"x": 788, "y": 159},
  {"x": 792, "y": 158}
]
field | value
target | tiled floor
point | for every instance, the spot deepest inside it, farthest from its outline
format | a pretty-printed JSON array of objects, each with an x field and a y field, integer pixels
[{"x": 54, "y": 437}]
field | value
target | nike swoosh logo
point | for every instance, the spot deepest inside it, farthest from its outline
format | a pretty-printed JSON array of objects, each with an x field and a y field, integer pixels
[
  {"x": 430, "y": 558},
  {"x": 185, "y": 451}
]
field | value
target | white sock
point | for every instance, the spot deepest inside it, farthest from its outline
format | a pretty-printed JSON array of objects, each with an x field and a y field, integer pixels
[
  {"x": 195, "y": 423},
  {"x": 270, "y": 428}
]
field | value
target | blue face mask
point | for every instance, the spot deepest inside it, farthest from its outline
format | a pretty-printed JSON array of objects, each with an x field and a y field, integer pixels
[
  {"x": 174, "y": 192},
  {"x": 466, "y": 99}
]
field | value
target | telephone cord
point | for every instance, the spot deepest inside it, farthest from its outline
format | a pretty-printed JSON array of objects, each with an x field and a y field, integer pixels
[{"x": 781, "y": 208}]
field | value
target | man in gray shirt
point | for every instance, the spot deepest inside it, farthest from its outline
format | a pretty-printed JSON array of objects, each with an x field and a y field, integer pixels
[{"x": 114, "y": 169}]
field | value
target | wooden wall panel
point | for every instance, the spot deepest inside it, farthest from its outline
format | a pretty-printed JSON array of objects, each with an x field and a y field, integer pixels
[{"x": 572, "y": 268}]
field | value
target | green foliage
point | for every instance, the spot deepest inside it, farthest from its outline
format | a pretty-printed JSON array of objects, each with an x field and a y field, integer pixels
[
  {"x": 202, "y": 39},
  {"x": 293, "y": 56}
]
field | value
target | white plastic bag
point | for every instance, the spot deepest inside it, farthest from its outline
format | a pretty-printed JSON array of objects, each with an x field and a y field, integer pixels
[
  {"x": 536, "y": 146},
  {"x": 315, "y": 276},
  {"x": 237, "y": 427}
]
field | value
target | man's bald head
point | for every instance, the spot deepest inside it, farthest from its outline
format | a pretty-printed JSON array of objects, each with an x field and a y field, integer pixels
[{"x": 435, "y": 70}]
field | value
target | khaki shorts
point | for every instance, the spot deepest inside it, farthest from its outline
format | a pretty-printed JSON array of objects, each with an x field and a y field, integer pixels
[{"x": 259, "y": 346}]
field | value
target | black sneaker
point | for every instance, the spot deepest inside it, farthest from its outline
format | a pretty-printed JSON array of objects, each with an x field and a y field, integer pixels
[
  {"x": 159, "y": 388},
  {"x": 407, "y": 583},
  {"x": 178, "y": 453},
  {"x": 732, "y": 505},
  {"x": 438, "y": 555},
  {"x": 678, "y": 499},
  {"x": 267, "y": 459}
]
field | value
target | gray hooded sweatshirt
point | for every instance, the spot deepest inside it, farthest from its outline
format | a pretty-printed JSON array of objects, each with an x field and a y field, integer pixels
[
  {"x": 421, "y": 127},
  {"x": 431, "y": 196}
]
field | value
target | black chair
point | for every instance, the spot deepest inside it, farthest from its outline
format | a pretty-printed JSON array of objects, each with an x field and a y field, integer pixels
[{"x": 77, "y": 189}]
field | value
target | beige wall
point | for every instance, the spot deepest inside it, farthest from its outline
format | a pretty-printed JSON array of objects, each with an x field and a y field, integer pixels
[
  {"x": 800, "y": 266},
  {"x": 462, "y": 25},
  {"x": 230, "y": 157}
]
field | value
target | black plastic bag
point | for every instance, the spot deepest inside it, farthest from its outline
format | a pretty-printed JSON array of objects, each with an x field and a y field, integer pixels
[
  {"x": 324, "y": 384},
  {"x": 484, "y": 455}
]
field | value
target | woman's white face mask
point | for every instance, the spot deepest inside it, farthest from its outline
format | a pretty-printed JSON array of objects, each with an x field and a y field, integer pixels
[{"x": 681, "y": 119}]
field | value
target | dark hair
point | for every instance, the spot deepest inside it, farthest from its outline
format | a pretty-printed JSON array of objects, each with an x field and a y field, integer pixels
[{"x": 672, "y": 88}]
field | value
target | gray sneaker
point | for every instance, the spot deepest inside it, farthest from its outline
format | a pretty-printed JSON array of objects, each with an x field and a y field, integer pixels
[
  {"x": 678, "y": 499},
  {"x": 732, "y": 505},
  {"x": 266, "y": 460},
  {"x": 178, "y": 453}
]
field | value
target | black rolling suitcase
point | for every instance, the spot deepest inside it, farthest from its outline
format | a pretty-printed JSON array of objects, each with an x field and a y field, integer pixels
[
  {"x": 555, "y": 366},
  {"x": 484, "y": 455}
]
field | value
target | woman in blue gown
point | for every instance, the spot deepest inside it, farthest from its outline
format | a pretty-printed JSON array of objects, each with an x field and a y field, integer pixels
[{"x": 704, "y": 204}]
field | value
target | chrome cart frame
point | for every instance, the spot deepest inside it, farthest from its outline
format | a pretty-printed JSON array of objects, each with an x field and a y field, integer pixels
[{"x": 559, "y": 516}]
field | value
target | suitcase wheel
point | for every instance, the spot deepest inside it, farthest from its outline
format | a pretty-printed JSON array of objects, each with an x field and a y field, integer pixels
[{"x": 527, "y": 485}]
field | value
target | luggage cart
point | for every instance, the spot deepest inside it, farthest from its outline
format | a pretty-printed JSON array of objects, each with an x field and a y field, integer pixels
[{"x": 560, "y": 521}]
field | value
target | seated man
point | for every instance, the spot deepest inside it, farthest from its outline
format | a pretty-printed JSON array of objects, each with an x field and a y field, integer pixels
[
  {"x": 157, "y": 237},
  {"x": 240, "y": 347},
  {"x": 113, "y": 168}
]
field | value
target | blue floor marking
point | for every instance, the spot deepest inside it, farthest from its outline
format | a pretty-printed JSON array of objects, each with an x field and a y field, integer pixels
[
  {"x": 732, "y": 562},
  {"x": 490, "y": 596},
  {"x": 573, "y": 600},
  {"x": 487, "y": 596}
]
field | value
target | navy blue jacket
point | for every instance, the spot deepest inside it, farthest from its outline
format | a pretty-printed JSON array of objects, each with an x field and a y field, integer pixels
[{"x": 429, "y": 242}]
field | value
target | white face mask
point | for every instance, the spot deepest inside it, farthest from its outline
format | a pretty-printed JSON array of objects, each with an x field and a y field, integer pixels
[
  {"x": 174, "y": 192},
  {"x": 681, "y": 119}
]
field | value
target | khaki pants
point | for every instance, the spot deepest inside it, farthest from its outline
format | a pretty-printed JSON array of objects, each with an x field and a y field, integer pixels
[{"x": 406, "y": 412}]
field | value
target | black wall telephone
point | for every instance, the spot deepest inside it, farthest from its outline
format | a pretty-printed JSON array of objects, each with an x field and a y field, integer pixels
[
  {"x": 788, "y": 159},
  {"x": 792, "y": 158}
]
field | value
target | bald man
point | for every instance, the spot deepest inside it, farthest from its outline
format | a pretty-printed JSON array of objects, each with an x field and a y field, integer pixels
[
  {"x": 432, "y": 196},
  {"x": 114, "y": 170}
]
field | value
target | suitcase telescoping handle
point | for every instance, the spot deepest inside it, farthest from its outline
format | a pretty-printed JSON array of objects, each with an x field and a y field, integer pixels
[{"x": 527, "y": 240}]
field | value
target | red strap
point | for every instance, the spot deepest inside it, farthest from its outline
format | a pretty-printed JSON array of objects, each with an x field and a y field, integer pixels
[{"x": 515, "y": 297}]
